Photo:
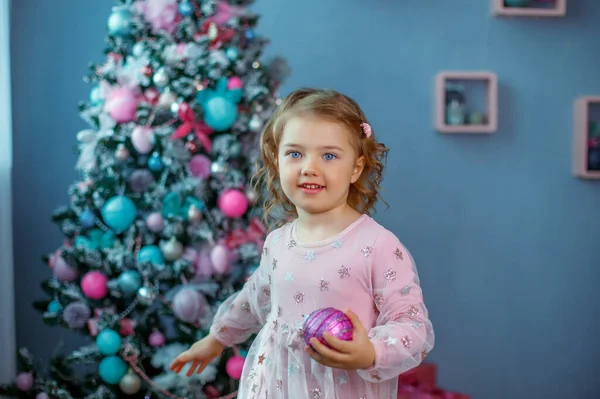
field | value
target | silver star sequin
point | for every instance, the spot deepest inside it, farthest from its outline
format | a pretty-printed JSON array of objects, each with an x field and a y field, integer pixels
[
  {"x": 274, "y": 263},
  {"x": 344, "y": 272},
  {"x": 368, "y": 250},
  {"x": 246, "y": 306},
  {"x": 390, "y": 341},
  {"x": 279, "y": 311},
  {"x": 279, "y": 384},
  {"x": 291, "y": 244},
  {"x": 405, "y": 290},
  {"x": 265, "y": 250},
  {"x": 266, "y": 290},
  {"x": 398, "y": 253},
  {"x": 342, "y": 379},
  {"x": 289, "y": 277},
  {"x": 406, "y": 341},
  {"x": 390, "y": 275},
  {"x": 316, "y": 393},
  {"x": 413, "y": 311},
  {"x": 299, "y": 297},
  {"x": 310, "y": 256},
  {"x": 323, "y": 285}
]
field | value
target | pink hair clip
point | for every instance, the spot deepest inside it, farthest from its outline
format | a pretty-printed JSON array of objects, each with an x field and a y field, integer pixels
[{"x": 367, "y": 129}]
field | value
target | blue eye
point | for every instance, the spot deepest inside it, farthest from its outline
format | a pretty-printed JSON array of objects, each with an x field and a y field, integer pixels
[
  {"x": 329, "y": 157},
  {"x": 294, "y": 154}
]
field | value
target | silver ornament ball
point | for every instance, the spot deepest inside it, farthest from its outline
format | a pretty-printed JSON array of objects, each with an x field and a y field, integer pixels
[
  {"x": 172, "y": 249},
  {"x": 255, "y": 124},
  {"x": 167, "y": 99},
  {"x": 251, "y": 196},
  {"x": 130, "y": 383},
  {"x": 121, "y": 153},
  {"x": 160, "y": 78},
  {"x": 218, "y": 168},
  {"x": 146, "y": 295},
  {"x": 194, "y": 214}
]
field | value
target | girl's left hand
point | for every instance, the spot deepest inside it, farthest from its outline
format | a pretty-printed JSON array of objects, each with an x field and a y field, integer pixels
[{"x": 350, "y": 355}]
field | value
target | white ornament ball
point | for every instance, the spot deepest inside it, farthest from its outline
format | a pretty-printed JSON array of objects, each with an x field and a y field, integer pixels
[
  {"x": 167, "y": 99},
  {"x": 255, "y": 124},
  {"x": 172, "y": 249},
  {"x": 160, "y": 78},
  {"x": 130, "y": 383}
]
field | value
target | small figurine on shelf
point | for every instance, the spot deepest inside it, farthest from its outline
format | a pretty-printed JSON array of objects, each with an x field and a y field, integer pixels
[
  {"x": 455, "y": 104},
  {"x": 517, "y": 3}
]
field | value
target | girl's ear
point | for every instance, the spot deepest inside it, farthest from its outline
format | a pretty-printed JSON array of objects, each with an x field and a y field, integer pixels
[{"x": 359, "y": 166}]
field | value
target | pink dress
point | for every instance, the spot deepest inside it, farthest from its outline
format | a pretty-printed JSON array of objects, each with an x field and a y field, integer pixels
[{"x": 364, "y": 267}]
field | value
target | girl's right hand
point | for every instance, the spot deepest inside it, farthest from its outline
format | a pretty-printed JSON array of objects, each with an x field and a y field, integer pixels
[{"x": 201, "y": 354}]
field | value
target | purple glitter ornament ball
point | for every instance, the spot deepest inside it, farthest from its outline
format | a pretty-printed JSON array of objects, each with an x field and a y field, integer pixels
[{"x": 327, "y": 319}]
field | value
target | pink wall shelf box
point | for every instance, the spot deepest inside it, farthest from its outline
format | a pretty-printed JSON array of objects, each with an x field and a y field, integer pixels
[
  {"x": 538, "y": 8},
  {"x": 476, "y": 113},
  {"x": 586, "y": 137}
]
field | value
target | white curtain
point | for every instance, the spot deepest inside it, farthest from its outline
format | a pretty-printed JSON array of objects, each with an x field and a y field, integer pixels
[{"x": 7, "y": 308}]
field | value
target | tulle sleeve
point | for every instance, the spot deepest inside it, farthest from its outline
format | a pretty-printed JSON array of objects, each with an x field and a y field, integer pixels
[
  {"x": 403, "y": 334},
  {"x": 244, "y": 313}
]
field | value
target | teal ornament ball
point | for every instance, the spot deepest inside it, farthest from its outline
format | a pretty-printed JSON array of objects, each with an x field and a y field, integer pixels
[
  {"x": 129, "y": 282},
  {"x": 54, "y": 307},
  {"x": 186, "y": 8},
  {"x": 111, "y": 369},
  {"x": 108, "y": 342},
  {"x": 155, "y": 163},
  {"x": 96, "y": 96},
  {"x": 219, "y": 106},
  {"x": 119, "y": 21},
  {"x": 151, "y": 254},
  {"x": 119, "y": 213}
]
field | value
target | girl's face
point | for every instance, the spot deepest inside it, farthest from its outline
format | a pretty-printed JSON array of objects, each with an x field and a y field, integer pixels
[{"x": 317, "y": 164}]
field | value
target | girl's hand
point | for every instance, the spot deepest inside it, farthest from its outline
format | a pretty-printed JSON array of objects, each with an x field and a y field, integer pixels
[
  {"x": 201, "y": 354},
  {"x": 350, "y": 355}
]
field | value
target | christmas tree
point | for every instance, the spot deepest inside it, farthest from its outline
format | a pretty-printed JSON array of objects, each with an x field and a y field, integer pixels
[{"x": 164, "y": 224}]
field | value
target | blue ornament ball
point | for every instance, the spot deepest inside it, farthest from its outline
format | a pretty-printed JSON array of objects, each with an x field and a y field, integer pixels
[
  {"x": 243, "y": 353},
  {"x": 220, "y": 113},
  {"x": 87, "y": 219},
  {"x": 119, "y": 213},
  {"x": 54, "y": 307},
  {"x": 185, "y": 8},
  {"x": 154, "y": 163},
  {"x": 108, "y": 342},
  {"x": 112, "y": 369},
  {"x": 119, "y": 21},
  {"x": 151, "y": 254},
  {"x": 130, "y": 281},
  {"x": 249, "y": 34}
]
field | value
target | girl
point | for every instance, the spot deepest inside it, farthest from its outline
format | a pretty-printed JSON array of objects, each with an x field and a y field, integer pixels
[{"x": 322, "y": 166}]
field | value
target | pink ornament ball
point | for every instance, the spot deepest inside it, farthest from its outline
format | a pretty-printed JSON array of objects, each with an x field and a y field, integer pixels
[
  {"x": 189, "y": 305},
  {"x": 156, "y": 339},
  {"x": 155, "y": 222},
  {"x": 62, "y": 270},
  {"x": 42, "y": 395},
  {"x": 234, "y": 82},
  {"x": 200, "y": 166},
  {"x": 24, "y": 381},
  {"x": 122, "y": 105},
  {"x": 235, "y": 366},
  {"x": 142, "y": 139},
  {"x": 94, "y": 285},
  {"x": 233, "y": 203},
  {"x": 219, "y": 259},
  {"x": 327, "y": 319}
]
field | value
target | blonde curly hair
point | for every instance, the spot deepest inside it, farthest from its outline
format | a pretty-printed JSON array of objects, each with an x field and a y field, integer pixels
[{"x": 332, "y": 106}]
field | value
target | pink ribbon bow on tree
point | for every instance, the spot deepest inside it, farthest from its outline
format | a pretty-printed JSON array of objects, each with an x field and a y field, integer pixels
[
  {"x": 255, "y": 233},
  {"x": 191, "y": 124}
]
